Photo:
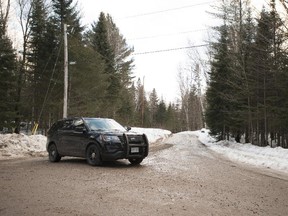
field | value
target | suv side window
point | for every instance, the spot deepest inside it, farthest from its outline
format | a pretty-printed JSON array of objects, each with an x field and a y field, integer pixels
[
  {"x": 78, "y": 125},
  {"x": 56, "y": 126},
  {"x": 67, "y": 124}
]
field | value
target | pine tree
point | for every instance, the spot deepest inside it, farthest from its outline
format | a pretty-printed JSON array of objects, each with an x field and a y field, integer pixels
[
  {"x": 122, "y": 53},
  {"x": 153, "y": 105},
  {"x": 141, "y": 108},
  {"x": 100, "y": 43},
  {"x": 254, "y": 60},
  {"x": 38, "y": 57},
  {"x": 106, "y": 39},
  {"x": 87, "y": 82},
  {"x": 173, "y": 118},
  {"x": 246, "y": 66},
  {"x": 278, "y": 119},
  {"x": 66, "y": 13},
  {"x": 161, "y": 113},
  {"x": 263, "y": 87},
  {"x": 218, "y": 93},
  {"x": 195, "y": 115},
  {"x": 7, "y": 81},
  {"x": 238, "y": 30}
]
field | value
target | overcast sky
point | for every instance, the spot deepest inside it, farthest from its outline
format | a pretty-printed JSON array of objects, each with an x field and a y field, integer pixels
[{"x": 154, "y": 26}]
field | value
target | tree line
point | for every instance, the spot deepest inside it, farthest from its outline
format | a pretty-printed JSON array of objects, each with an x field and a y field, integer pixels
[
  {"x": 101, "y": 79},
  {"x": 247, "y": 88},
  {"x": 247, "y": 94}
]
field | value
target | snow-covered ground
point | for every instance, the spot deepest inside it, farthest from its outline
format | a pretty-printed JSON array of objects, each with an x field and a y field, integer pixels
[
  {"x": 20, "y": 145},
  {"x": 273, "y": 158}
]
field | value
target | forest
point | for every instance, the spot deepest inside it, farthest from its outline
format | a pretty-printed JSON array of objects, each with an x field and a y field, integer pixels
[
  {"x": 247, "y": 70},
  {"x": 247, "y": 94}
]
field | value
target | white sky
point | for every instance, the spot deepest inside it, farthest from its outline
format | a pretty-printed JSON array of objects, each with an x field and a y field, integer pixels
[
  {"x": 153, "y": 25},
  {"x": 159, "y": 31},
  {"x": 177, "y": 23}
]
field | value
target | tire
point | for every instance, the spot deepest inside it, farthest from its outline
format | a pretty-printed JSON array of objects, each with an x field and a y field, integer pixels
[
  {"x": 93, "y": 156},
  {"x": 53, "y": 153},
  {"x": 135, "y": 161}
]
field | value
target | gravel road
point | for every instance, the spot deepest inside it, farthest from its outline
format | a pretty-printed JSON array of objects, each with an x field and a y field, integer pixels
[{"x": 185, "y": 179}]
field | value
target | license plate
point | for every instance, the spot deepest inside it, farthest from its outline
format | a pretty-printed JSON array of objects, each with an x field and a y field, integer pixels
[{"x": 134, "y": 150}]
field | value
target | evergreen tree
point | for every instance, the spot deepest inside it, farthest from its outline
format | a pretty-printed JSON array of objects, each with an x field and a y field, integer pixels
[
  {"x": 122, "y": 53},
  {"x": 100, "y": 43},
  {"x": 173, "y": 118},
  {"x": 195, "y": 116},
  {"x": 38, "y": 58},
  {"x": 262, "y": 76},
  {"x": 239, "y": 30},
  {"x": 278, "y": 102},
  {"x": 161, "y": 113},
  {"x": 141, "y": 108},
  {"x": 66, "y": 13},
  {"x": 126, "y": 114},
  {"x": 254, "y": 58},
  {"x": 7, "y": 81},
  {"x": 87, "y": 82},
  {"x": 153, "y": 106},
  {"x": 218, "y": 93},
  {"x": 106, "y": 39},
  {"x": 245, "y": 66}
]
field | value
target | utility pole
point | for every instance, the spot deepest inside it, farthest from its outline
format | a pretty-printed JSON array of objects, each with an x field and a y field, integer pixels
[
  {"x": 65, "y": 101},
  {"x": 142, "y": 103}
]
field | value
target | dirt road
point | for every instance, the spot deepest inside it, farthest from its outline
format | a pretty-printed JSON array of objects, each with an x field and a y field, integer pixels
[{"x": 184, "y": 179}]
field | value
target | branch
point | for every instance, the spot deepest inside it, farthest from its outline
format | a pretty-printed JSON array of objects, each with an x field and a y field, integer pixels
[
  {"x": 284, "y": 5},
  {"x": 7, "y": 13},
  {"x": 5, "y": 17}
]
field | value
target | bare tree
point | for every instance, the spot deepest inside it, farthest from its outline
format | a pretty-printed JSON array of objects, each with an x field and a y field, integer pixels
[
  {"x": 185, "y": 83},
  {"x": 24, "y": 15},
  {"x": 192, "y": 79},
  {"x": 285, "y": 4},
  {"x": 4, "y": 13}
]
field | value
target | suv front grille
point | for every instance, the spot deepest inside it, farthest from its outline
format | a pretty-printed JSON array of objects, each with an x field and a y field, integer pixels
[
  {"x": 134, "y": 139},
  {"x": 136, "y": 145}
]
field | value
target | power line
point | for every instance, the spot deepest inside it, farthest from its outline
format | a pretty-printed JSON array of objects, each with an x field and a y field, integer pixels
[
  {"x": 165, "y": 35},
  {"x": 167, "y": 10},
  {"x": 50, "y": 83},
  {"x": 169, "y": 50}
]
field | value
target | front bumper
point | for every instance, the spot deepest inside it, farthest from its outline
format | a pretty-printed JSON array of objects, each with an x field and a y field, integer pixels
[{"x": 131, "y": 146}]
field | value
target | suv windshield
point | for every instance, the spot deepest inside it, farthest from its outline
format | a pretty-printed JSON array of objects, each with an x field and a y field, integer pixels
[{"x": 103, "y": 124}]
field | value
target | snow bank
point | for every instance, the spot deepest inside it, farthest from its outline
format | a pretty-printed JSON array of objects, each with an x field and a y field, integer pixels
[
  {"x": 21, "y": 145},
  {"x": 153, "y": 134},
  {"x": 179, "y": 138},
  {"x": 274, "y": 158}
]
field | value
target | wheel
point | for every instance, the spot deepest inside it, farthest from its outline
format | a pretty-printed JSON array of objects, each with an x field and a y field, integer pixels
[
  {"x": 135, "y": 161},
  {"x": 93, "y": 155},
  {"x": 53, "y": 153}
]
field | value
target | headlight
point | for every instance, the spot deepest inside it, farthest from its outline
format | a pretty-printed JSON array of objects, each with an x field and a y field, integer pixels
[{"x": 110, "y": 139}]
